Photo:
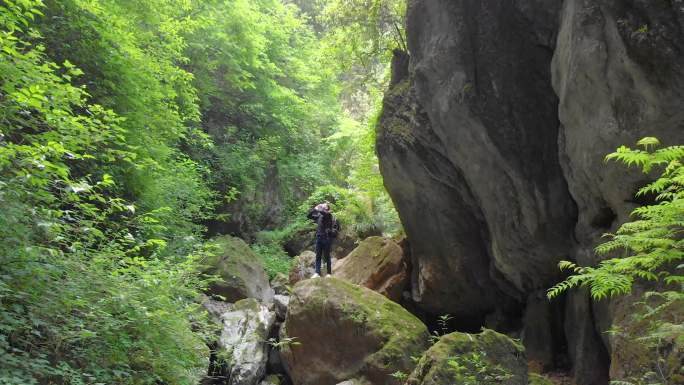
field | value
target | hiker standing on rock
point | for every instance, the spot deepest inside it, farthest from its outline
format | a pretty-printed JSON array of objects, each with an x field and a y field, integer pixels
[{"x": 327, "y": 228}]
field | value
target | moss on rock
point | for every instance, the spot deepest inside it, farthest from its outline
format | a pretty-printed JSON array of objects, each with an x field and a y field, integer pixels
[
  {"x": 241, "y": 271},
  {"x": 485, "y": 358},
  {"x": 538, "y": 379},
  {"x": 347, "y": 331},
  {"x": 378, "y": 264}
]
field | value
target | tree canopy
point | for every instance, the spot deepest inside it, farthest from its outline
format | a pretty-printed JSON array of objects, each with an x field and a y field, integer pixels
[{"x": 133, "y": 131}]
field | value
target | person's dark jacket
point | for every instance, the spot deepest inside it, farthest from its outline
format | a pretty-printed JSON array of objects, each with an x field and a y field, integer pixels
[{"x": 323, "y": 222}]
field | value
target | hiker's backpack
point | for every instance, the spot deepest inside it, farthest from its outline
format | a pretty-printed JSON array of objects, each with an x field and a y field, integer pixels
[{"x": 334, "y": 230}]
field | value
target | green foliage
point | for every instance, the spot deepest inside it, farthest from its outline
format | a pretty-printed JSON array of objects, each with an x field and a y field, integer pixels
[
  {"x": 472, "y": 369},
  {"x": 399, "y": 376},
  {"x": 275, "y": 258},
  {"x": 651, "y": 244},
  {"x": 285, "y": 342},
  {"x": 359, "y": 38},
  {"x": 126, "y": 128},
  {"x": 90, "y": 290},
  {"x": 267, "y": 102}
]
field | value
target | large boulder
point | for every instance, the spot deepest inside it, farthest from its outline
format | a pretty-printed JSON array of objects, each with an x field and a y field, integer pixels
[
  {"x": 458, "y": 358},
  {"x": 377, "y": 263},
  {"x": 345, "y": 332},
  {"x": 242, "y": 344},
  {"x": 241, "y": 271}
]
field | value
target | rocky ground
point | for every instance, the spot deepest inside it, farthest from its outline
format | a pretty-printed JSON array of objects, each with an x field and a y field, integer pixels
[{"x": 346, "y": 329}]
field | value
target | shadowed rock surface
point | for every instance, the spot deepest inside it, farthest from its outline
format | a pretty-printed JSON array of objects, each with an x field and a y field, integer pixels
[{"x": 348, "y": 332}]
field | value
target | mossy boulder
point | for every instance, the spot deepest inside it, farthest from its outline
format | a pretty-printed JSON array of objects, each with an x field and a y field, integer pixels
[
  {"x": 344, "y": 331},
  {"x": 377, "y": 263},
  {"x": 487, "y": 358},
  {"x": 241, "y": 271}
]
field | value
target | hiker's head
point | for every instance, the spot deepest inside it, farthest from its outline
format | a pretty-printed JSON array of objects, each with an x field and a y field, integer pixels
[{"x": 323, "y": 207}]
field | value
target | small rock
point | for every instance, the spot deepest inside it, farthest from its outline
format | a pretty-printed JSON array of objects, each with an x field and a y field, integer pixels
[
  {"x": 279, "y": 283},
  {"x": 303, "y": 267},
  {"x": 281, "y": 303}
]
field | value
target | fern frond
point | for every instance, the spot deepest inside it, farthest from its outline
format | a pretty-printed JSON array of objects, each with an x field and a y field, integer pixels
[{"x": 648, "y": 141}]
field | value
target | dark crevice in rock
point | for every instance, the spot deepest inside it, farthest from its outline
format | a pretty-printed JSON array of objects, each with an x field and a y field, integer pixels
[{"x": 604, "y": 218}]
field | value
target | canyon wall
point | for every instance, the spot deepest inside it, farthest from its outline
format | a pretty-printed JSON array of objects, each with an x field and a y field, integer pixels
[{"x": 492, "y": 141}]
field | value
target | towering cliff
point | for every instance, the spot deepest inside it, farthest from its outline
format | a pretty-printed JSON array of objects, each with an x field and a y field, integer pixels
[{"x": 492, "y": 142}]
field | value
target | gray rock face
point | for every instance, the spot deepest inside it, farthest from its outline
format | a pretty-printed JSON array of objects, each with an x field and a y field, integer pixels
[
  {"x": 492, "y": 142},
  {"x": 245, "y": 329},
  {"x": 483, "y": 200},
  {"x": 617, "y": 70},
  {"x": 281, "y": 302}
]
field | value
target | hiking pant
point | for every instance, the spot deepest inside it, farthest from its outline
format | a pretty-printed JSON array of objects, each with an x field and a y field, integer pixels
[{"x": 323, "y": 246}]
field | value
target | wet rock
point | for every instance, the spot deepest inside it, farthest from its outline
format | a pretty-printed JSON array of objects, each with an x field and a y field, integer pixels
[
  {"x": 346, "y": 331},
  {"x": 242, "y": 344},
  {"x": 486, "y": 358},
  {"x": 240, "y": 270},
  {"x": 378, "y": 264}
]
